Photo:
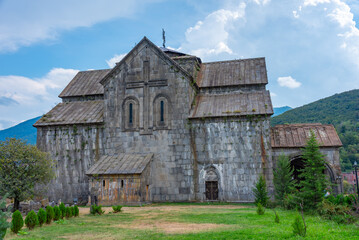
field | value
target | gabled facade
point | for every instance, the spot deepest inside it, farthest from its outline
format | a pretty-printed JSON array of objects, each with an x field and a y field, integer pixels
[{"x": 205, "y": 126}]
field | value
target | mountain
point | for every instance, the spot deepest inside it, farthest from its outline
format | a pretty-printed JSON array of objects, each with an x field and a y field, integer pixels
[
  {"x": 23, "y": 130},
  {"x": 280, "y": 110},
  {"x": 341, "y": 110}
]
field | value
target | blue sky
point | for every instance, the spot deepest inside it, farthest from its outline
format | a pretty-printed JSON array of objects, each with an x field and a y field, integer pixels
[{"x": 311, "y": 46}]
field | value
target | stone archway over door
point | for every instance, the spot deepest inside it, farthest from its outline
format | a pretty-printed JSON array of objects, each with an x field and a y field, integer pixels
[
  {"x": 297, "y": 164},
  {"x": 211, "y": 185}
]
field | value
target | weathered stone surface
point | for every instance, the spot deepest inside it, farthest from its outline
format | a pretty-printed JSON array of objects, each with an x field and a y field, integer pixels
[{"x": 148, "y": 101}]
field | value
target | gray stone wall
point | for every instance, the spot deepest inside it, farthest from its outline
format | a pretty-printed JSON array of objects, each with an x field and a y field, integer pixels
[
  {"x": 171, "y": 169},
  {"x": 74, "y": 149},
  {"x": 238, "y": 150}
]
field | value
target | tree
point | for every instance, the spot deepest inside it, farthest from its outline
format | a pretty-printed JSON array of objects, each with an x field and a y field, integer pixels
[
  {"x": 260, "y": 192},
  {"x": 312, "y": 187},
  {"x": 4, "y": 215},
  {"x": 22, "y": 166},
  {"x": 283, "y": 178},
  {"x": 16, "y": 222}
]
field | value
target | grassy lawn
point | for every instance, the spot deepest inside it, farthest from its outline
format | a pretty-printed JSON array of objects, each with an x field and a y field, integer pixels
[{"x": 188, "y": 221}]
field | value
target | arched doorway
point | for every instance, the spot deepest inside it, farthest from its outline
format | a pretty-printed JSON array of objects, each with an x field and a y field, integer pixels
[
  {"x": 211, "y": 181},
  {"x": 297, "y": 164}
]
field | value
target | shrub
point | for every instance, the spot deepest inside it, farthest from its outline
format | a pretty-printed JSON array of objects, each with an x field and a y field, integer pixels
[
  {"x": 31, "y": 220},
  {"x": 282, "y": 178},
  {"x": 260, "y": 209},
  {"x": 4, "y": 225},
  {"x": 57, "y": 213},
  {"x": 260, "y": 192},
  {"x": 49, "y": 214},
  {"x": 340, "y": 199},
  {"x": 17, "y": 222},
  {"x": 117, "y": 208},
  {"x": 276, "y": 219},
  {"x": 338, "y": 213},
  {"x": 291, "y": 201},
  {"x": 72, "y": 211},
  {"x": 298, "y": 227},
  {"x": 41, "y": 215},
  {"x": 77, "y": 211},
  {"x": 94, "y": 209},
  {"x": 62, "y": 209},
  {"x": 68, "y": 212}
]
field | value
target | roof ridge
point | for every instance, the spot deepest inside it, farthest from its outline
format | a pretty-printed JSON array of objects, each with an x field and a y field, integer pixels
[{"x": 234, "y": 60}]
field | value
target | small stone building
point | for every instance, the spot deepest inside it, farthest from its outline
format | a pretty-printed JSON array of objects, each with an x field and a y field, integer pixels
[
  {"x": 162, "y": 126},
  {"x": 289, "y": 139},
  {"x": 120, "y": 178}
]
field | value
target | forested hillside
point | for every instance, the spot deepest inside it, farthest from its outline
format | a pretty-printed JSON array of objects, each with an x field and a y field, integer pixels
[
  {"x": 341, "y": 110},
  {"x": 23, "y": 130}
]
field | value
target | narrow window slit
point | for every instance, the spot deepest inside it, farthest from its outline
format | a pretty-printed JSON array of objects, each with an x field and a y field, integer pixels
[{"x": 162, "y": 119}]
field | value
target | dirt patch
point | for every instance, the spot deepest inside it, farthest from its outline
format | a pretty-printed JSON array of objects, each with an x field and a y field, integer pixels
[
  {"x": 161, "y": 208},
  {"x": 155, "y": 218},
  {"x": 175, "y": 227}
]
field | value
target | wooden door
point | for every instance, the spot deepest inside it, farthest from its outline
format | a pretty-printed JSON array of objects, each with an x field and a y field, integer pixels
[{"x": 212, "y": 190}]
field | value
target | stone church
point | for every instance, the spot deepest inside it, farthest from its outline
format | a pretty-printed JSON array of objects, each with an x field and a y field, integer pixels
[{"x": 163, "y": 126}]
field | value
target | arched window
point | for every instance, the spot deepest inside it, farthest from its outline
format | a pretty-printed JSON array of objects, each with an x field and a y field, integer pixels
[
  {"x": 162, "y": 117},
  {"x": 161, "y": 112},
  {"x": 130, "y": 113}
]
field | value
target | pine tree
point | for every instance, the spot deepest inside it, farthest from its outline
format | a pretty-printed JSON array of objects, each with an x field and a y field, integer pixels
[
  {"x": 283, "y": 178},
  {"x": 312, "y": 187},
  {"x": 260, "y": 192},
  {"x": 41, "y": 216}
]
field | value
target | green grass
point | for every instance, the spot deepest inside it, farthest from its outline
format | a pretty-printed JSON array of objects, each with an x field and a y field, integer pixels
[{"x": 234, "y": 223}]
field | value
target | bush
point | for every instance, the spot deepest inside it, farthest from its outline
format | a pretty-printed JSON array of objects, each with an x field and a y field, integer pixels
[
  {"x": 298, "y": 227},
  {"x": 340, "y": 199},
  {"x": 68, "y": 212},
  {"x": 291, "y": 201},
  {"x": 276, "y": 219},
  {"x": 62, "y": 209},
  {"x": 260, "y": 209},
  {"x": 49, "y": 214},
  {"x": 77, "y": 211},
  {"x": 41, "y": 215},
  {"x": 260, "y": 192},
  {"x": 31, "y": 220},
  {"x": 117, "y": 208},
  {"x": 283, "y": 178},
  {"x": 72, "y": 211},
  {"x": 338, "y": 213},
  {"x": 94, "y": 209},
  {"x": 4, "y": 225},
  {"x": 17, "y": 222},
  {"x": 57, "y": 213}
]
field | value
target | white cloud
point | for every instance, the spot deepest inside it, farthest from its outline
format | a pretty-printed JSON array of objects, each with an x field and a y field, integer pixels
[
  {"x": 24, "y": 22},
  {"x": 288, "y": 82},
  {"x": 210, "y": 37},
  {"x": 27, "y": 91},
  {"x": 116, "y": 58},
  {"x": 315, "y": 2},
  {"x": 272, "y": 94}
]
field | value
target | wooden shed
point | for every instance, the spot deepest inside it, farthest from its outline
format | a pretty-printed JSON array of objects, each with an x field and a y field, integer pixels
[{"x": 120, "y": 179}]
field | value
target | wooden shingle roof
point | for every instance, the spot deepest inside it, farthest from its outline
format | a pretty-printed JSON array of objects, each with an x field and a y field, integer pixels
[
  {"x": 85, "y": 83},
  {"x": 68, "y": 113},
  {"x": 120, "y": 164},
  {"x": 232, "y": 104},
  {"x": 296, "y": 135},
  {"x": 233, "y": 73}
]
